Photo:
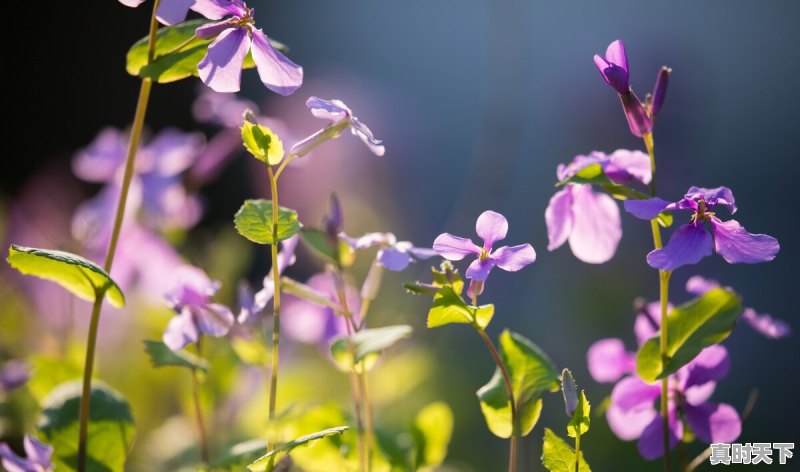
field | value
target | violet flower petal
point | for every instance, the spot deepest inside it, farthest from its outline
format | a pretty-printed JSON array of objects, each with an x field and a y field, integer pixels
[
  {"x": 632, "y": 393},
  {"x": 454, "y": 248},
  {"x": 624, "y": 165},
  {"x": 698, "y": 285},
  {"x": 214, "y": 319},
  {"x": 38, "y": 452},
  {"x": 12, "y": 462},
  {"x": 614, "y": 67},
  {"x": 394, "y": 259},
  {"x": 651, "y": 443},
  {"x": 713, "y": 196},
  {"x": 100, "y": 161},
  {"x": 714, "y": 422},
  {"x": 638, "y": 121},
  {"x": 737, "y": 246},
  {"x": 479, "y": 270},
  {"x": 712, "y": 364},
  {"x": 276, "y": 71},
  {"x": 491, "y": 227},
  {"x": 688, "y": 245},
  {"x": 629, "y": 425},
  {"x": 333, "y": 110},
  {"x": 364, "y": 134},
  {"x": 765, "y": 324},
  {"x": 221, "y": 67},
  {"x": 608, "y": 360},
  {"x": 596, "y": 229},
  {"x": 421, "y": 252},
  {"x": 172, "y": 12},
  {"x": 559, "y": 218},
  {"x": 181, "y": 331},
  {"x": 212, "y": 30},
  {"x": 217, "y": 9},
  {"x": 514, "y": 258}
]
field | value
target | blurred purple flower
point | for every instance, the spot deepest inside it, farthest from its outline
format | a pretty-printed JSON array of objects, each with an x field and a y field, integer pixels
[
  {"x": 251, "y": 305},
  {"x": 190, "y": 297},
  {"x": 38, "y": 460},
  {"x": 341, "y": 117},
  {"x": 14, "y": 373},
  {"x": 393, "y": 255},
  {"x": 692, "y": 242},
  {"x": 763, "y": 323},
  {"x": 491, "y": 227},
  {"x": 221, "y": 68},
  {"x": 310, "y": 323},
  {"x": 590, "y": 220},
  {"x": 223, "y": 109},
  {"x": 170, "y": 12}
]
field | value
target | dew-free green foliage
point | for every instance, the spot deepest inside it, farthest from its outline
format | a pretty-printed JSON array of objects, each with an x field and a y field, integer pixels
[
  {"x": 80, "y": 276},
  {"x": 694, "y": 326},
  {"x": 367, "y": 342},
  {"x": 339, "y": 252},
  {"x": 532, "y": 374},
  {"x": 111, "y": 428},
  {"x": 448, "y": 304},
  {"x": 254, "y": 222},
  {"x": 581, "y": 417},
  {"x": 432, "y": 430},
  {"x": 262, "y": 463},
  {"x": 47, "y": 372},
  {"x": 241, "y": 454},
  {"x": 558, "y": 456},
  {"x": 262, "y": 143},
  {"x": 175, "y": 57},
  {"x": 160, "y": 356}
]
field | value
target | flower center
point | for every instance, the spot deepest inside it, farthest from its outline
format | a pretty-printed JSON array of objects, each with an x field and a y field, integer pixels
[
  {"x": 484, "y": 254},
  {"x": 246, "y": 21},
  {"x": 702, "y": 214}
]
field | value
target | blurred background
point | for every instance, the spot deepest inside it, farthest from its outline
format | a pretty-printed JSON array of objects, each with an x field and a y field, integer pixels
[{"x": 477, "y": 103}]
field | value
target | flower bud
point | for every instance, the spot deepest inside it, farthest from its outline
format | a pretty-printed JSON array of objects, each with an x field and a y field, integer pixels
[
  {"x": 660, "y": 90},
  {"x": 570, "y": 392},
  {"x": 638, "y": 122},
  {"x": 334, "y": 219}
]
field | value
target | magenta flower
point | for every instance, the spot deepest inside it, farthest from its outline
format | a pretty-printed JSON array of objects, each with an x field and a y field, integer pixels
[
  {"x": 590, "y": 220},
  {"x": 310, "y": 323},
  {"x": 763, "y": 323},
  {"x": 190, "y": 297},
  {"x": 491, "y": 227},
  {"x": 171, "y": 12},
  {"x": 250, "y": 305},
  {"x": 692, "y": 242},
  {"x": 221, "y": 68},
  {"x": 393, "y": 255},
  {"x": 341, "y": 117},
  {"x": 39, "y": 457}
]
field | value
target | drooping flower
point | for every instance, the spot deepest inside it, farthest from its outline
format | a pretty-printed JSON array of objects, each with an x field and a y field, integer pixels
[
  {"x": 491, "y": 227},
  {"x": 311, "y": 323},
  {"x": 590, "y": 220},
  {"x": 171, "y": 12},
  {"x": 614, "y": 70},
  {"x": 250, "y": 305},
  {"x": 39, "y": 457},
  {"x": 393, "y": 254},
  {"x": 190, "y": 297},
  {"x": 765, "y": 324},
  {"x": 341, "y": 117},
  {"x": 692, "y": 242},
  {"x": 221, "y": 67}
]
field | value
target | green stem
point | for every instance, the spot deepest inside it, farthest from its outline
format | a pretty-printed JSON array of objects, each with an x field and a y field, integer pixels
[
  {"x": 577, "y": 449},
  {"x": 91, "y": 341},
  {"x": 198, "y": 410},
  {"x": 276, "y": 301}
]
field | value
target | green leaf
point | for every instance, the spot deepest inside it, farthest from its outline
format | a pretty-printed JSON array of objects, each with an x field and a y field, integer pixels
[
  {"x": 321, "y": 244},
  {"x": 171, "y": 61},
  {"x": 254, "y": 222},
  {"x": 161, "y": 355},
  {"x": 558, "y": 456},
  {"x": 369, "y": 341},
  {"x": 665, "y": 219},
  {"x": 111, "y": 427},
  {"x": 262, "y": 143},
  {"x": 448, "y": 307},
  {"x": 580, "y": 418},
  {"x": 80, "y": 276},
  {"x": 432, "y": 430},
  {"x": 532, "y": 373},
  {"x": 262, "y": 463},
  {"x": 692, "y": 327},
  {"x": 241, "y": 454}
]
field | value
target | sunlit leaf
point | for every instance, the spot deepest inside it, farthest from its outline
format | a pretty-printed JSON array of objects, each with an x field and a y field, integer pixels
[
  {"x": 367, "y": 342},
  {"x": 241, "y": 454},
  {"x": 558, "y": 456},
  {"x": 161, "y": 355},
  {"x": 448, "y": 307},
  {"x": 262, "y": 143},
  {"x": 340, "y": 253},
  {"x": 433, "y": 428},
  {"x": 580, "y": 420},
  {"x": 254, "y": 222},
  {"x": 262, "y": 463}
]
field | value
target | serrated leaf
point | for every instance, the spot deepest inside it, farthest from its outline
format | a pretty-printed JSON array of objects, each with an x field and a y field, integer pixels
[
  {"x": 80, "y": 276},
  {"x": 448, "y": 307},
  {"x": 254, "y": 222},
  {"x": 241, "y": 454},
  {"x": 692, "y": 327},
  {"x": 432, "y": 430},
  {"x": 262, "y": 143},
  {"x": 580, "y": 418},
  {"x": 169, "y": 66},
  {"x": 558, "y": 456},
  {"x": 532, "y": 373},
  {"x": 262, "y": 463},
  {"x": 110, "y": 431},
  {"x": 161, "y": 356}
]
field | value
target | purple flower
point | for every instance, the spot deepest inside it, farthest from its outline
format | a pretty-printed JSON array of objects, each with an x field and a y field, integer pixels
[
  {"x": 250, "y": 305},
  {"x": 38, "y": 460},
  {"x": 393, "y": 255},
  {"x": 692, "y": 242},
  {"x": 310, "y": 323},
  {"x": 14, "y": 373},
  {"x": 221, "y": 68},
  {"x": 590, "y": 220},
  {"x": 171, "y": 12},
  {"x": 190, "y": 298},
  {"x": 341, "y": 117},
  {"x": 765, "y": 324},
  {"x": 491, "y": 227}
]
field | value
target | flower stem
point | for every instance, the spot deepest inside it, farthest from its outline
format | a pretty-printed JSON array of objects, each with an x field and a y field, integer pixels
[
  {"x": 577, "y": 449},
  {"x": 91, "y": 341},
  {"x": 276, "y": 300},
  {"x": 201, "y": 429}
]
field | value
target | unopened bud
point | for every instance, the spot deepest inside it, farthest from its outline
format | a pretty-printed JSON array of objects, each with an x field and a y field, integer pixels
[
  {"x": 638, "y": 122},
  {"x": 334, "y": 219},
  {"x": 570, "y": 392},
  {"x": 660, "y": 90}
]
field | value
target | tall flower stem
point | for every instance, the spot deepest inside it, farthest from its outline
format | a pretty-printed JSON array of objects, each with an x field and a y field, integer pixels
[
  {"x": 133, "y": 147},
  {"x": 276, "y": 300},
  {"x": 663, "y": 279},
  {"x": 198, "y": 411},
  {"x": 577, "y": 449}
]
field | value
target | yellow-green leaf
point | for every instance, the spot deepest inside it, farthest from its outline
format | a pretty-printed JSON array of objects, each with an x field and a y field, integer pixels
[
  {"x": 254, "y": 222},
  {"x": 262, "y": 143}
]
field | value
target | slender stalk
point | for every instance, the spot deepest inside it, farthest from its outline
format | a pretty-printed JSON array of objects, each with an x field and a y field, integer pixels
[
  {"x": 133, "y": 147},
  {"x": 198, "y": 411},
  {"x": 577, "y": 449},
  {"x": 276, "y": 300}
]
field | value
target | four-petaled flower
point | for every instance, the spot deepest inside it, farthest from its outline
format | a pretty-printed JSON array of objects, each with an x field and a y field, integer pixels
[
  {"x": 590, "y": 220},
  {"x": 692, "y": 242},
  {"x": 491, "y": 227},
  {"x": 341, "y": 117},
  {"x": 393, "y": 254},
  {"x": 221, "y": 68},
  {"x": 39, "y": 457},
  {"x": 190, "y": 297}
]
